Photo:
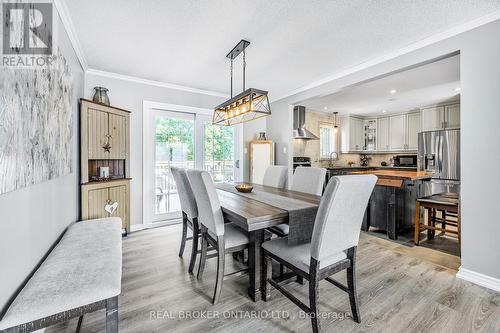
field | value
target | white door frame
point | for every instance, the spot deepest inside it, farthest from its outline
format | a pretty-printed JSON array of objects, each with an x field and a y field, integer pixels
[{"x": 150, "y": 109}]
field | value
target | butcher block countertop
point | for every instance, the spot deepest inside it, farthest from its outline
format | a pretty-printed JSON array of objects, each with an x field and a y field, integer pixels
[{"x": 394, "y": 178}]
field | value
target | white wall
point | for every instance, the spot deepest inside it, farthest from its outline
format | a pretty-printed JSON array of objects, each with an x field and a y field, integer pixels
[
  {"x": 32, "y": 218},
  {"x": 130, "y": 96},
  {"x": 480, "y": 116}
]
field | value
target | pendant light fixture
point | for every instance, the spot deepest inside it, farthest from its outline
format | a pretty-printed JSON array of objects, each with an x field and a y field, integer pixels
[
  {"x": 249, "y": 105},
  {"x": 335, "y": 126}
]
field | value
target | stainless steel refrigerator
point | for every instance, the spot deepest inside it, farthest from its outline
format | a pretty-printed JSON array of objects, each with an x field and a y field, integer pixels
[{"x": 439, "y": 152}]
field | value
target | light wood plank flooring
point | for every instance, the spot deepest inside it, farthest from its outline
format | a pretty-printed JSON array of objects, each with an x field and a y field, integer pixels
[{"x": 399, "y": 291}]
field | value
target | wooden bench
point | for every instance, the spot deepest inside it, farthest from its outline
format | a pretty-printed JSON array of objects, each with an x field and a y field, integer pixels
[{"x": 80, "y": 274}]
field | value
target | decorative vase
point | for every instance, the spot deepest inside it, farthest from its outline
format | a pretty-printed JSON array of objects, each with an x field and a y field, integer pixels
[
  {"x": 101, "y": 95},
  {"x": 262, "y": 136}
]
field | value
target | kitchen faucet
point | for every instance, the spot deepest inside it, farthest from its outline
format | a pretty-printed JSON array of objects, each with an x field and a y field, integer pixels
[{"x": 333, "y": 158}]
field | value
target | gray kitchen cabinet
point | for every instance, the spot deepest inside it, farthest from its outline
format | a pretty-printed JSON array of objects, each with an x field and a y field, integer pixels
[
  {"x": 383, "y": 134},
  {"x": 398, "y": 130},
  {"x": 452, "y": 116},
  {"x": 413, "y": 120}
]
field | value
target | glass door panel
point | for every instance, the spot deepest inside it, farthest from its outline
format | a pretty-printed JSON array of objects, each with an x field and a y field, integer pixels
[
  {"x": 174, "y": 147},
  {"x": 218, "y": 152}
]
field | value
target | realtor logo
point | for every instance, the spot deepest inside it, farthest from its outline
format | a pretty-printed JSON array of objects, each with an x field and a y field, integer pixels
[{"x": 27, "y": 34}]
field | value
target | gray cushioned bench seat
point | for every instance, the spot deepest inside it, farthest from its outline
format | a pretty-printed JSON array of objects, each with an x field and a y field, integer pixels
[{"x": 84, "y": 267}]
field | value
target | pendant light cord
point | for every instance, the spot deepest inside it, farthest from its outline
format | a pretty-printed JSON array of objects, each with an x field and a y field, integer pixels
[
  {"x": 231, "y": 77},
  {"x": 244, "y": 65}
]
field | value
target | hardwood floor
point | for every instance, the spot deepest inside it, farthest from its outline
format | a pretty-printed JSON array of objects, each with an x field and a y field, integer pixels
[{"x": 398, "y": 290}]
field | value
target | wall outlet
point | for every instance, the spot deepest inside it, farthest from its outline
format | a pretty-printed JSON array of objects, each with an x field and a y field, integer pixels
[{"x": 245, "y": 151}]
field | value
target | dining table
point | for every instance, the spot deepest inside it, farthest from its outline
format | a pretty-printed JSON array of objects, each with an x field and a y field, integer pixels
[{"x": 255, "y": 212}]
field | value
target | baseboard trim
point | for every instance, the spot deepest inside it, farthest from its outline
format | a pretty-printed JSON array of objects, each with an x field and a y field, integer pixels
[{"x": 479, "y": 279}]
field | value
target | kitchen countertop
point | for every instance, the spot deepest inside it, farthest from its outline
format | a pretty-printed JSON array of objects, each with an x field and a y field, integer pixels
[
  {"x": 397, "y": 174},
  {"x": 372, "y": 167}
]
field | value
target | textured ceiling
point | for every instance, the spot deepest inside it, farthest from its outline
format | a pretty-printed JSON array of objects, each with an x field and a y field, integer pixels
[
  {"x": 293, "y": 43},
  {"x": 425, "y": 85}
]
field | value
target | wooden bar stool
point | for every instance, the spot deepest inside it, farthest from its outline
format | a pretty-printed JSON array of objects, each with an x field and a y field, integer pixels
[{"x": 447, "y": 205}]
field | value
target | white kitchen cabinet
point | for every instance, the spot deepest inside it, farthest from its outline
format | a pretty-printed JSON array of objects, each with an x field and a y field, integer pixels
[
  {"x": 413, "y": 120},
  {"x": 433, "y": 118},
  {"x": 351, "y": 134},
  {"x": 383, "y": 134},
  {"x": 452, "y": 116},
  {"x": 397, "y": 133}
]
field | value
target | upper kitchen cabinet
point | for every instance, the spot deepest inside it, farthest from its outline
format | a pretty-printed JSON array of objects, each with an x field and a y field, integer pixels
[
  {"x": 352, "y": 134},
  {"x": 440, "y": 117},
  {"x": 452, "y": 116},
  {"x": 413, "y": 120},
  {"x": 398, "y": 132},
  {"x": 383, "y": 134}
]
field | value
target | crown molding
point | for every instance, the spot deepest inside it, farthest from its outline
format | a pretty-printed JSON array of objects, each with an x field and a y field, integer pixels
[
  {"x": 479, "y": 279},
  {"x": 70, "y": 30},
  {"x": 457, "y": 30},
  {"x": 154, "y": 83}
]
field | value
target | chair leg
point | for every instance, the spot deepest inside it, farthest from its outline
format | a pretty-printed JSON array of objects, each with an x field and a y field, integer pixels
[
  {"x": 203, "y": 256},
  {"x": 351, "y": 285},
  {"x": 194, "y": 247},
  {"x": 184, "y": 234},
  {"x": 313, "y": 295},
  {"x": 112, "y": 315},
  {"x": 220, "y": 268},
  {"x": 267, "y": 273}
]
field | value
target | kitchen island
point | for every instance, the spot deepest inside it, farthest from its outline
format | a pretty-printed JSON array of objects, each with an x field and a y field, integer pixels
[{"x": 392, "y": 204}]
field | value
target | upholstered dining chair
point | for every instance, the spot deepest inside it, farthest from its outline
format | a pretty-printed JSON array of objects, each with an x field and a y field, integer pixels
[
  {"x": 224, "y": 237},
  {"x": 189, "y": 214},
  {"x": 332, "y": 247},
  {"x": 275, "y": 176},
  {"x": 305, "y": 179}
]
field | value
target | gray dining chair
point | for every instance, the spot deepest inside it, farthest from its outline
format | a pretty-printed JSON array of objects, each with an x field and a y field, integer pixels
[
  {"x": 307, "y": 180},
  {"x": 332, "y": 247},
  {"x": 189, "y": 213},
  {"x": 224, "y": 237},
  {"x": 275, "y": 176}
]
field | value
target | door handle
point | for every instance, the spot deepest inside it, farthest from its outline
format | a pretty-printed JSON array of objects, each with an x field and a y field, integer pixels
[{"x": 237, "y": 164}]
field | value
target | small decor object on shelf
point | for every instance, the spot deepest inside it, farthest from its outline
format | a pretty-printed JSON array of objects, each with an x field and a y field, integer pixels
[
  {"x": 101, "y": 95},
  {"x": 104, "y": 172},
  {"x": 244, "y": 188},
  {"x": 364, "y": 159},
  {"x": 262, "y": 136}
]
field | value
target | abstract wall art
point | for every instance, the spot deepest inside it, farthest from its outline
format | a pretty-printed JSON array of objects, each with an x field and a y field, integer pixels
[{"x": 36, "y": 124}]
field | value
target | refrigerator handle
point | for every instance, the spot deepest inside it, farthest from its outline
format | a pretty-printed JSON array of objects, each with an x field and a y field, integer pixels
[{"x": 440, "y": 153}]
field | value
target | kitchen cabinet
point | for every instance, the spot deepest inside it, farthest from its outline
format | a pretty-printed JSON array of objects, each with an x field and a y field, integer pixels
[
  {"x": 413, "y": 120},
  {"x": 441, "y": 117},
  {"x": 452, "y": 116},
  {"x": 383, "y": 134},
  {"x": 351, "y": 134},
  {"x": 398, "y": 130},
  {"x": 370, "y": 134}
]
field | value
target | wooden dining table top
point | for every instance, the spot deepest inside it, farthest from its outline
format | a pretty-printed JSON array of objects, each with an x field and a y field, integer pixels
[{"x": 251, "y": 214}]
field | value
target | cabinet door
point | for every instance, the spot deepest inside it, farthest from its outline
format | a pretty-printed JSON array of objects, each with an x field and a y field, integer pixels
[
  {"x": 97, "y": 199},
  {"x": 383, "y": 134},
  {"x": 117, "y": 136},
  {"x": 413, "y": 129},
  {"x": 397, "y": 138},
  {"x": 118, "y": 194},
  {"x": 452, "y": 116},
  {"x": 356, "y": 134},
  {"x": 97, "y": 134},
  {"x": 432, "y": 118}
]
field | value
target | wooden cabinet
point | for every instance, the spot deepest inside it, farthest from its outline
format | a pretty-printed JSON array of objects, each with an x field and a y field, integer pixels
[
  {"x": 104, "y": 143},
  {"x": 398, "y": 130},
  {"x": 452, "y": 116},
  {"x": 383, "y": 134},
  {"x": 107, "y": 199},
  {"x": 413, "y": 120}
]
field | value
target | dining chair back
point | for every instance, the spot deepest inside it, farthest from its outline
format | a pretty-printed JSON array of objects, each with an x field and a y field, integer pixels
[
  {"x": 185, "y": 192},
  {"x": 340, "y": 214},
  {"x": 275, "y": 176},
  {"x": 309, "y": 180},
  {"x": 207, "y": 200}
]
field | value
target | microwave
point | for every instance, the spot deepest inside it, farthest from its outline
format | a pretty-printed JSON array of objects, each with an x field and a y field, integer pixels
[{"x": 405, "y": 160}]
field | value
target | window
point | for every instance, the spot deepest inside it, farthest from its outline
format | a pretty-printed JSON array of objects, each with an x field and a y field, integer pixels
[{"x": 327, "y": 140}]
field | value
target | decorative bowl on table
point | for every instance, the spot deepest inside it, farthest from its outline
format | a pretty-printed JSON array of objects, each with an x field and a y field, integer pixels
[{"x": 244, "y": 188}]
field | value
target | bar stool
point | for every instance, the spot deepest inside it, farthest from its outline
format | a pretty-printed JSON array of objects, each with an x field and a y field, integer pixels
[{"x": 447, "y": 204}]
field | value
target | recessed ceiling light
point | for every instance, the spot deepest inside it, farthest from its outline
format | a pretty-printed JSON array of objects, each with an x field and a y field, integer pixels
[
  {"x": 457, "y": 89},
  {"x": 393, "y": 91},
  {"x": 384, "y": 111},
  {"x": 325, "y": 108}
]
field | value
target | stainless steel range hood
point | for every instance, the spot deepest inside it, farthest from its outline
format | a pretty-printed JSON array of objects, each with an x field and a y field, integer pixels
[{"x": 299, "y": 122}]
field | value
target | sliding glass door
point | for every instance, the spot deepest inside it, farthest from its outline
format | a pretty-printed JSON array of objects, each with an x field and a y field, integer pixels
[{"x": 185, "y": 140}]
